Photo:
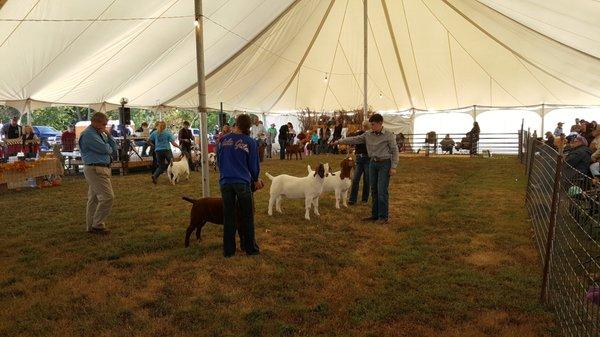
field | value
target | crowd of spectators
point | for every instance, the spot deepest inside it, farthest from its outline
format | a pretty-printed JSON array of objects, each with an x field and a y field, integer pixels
[{"x": 581, "y": 146}]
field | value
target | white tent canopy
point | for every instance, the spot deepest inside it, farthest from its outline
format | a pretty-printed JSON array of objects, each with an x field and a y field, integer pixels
[{"x": 283, "y": 55}]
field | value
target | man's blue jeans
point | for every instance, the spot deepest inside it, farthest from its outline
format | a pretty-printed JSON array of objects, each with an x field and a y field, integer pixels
[
  {"x": 362, "y": 169},
  {"x": 238, "y": 196},
  {"x": 379, "y": 173},
  {"x": 163, "y": 159},
  {"x": 282, "y": 149}
]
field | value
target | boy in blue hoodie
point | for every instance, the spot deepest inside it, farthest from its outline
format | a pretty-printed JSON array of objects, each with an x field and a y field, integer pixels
[{"x": 239, "y": 170}]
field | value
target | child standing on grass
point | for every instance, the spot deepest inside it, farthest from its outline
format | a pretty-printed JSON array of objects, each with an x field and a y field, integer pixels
[{"x": 239, "y": 169}]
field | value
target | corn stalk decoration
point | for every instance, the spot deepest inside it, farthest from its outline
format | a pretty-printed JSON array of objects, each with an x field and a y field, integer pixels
[{"x": 309, "y": 119}]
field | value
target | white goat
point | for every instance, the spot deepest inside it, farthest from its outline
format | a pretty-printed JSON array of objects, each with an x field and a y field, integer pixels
[
  {"x": 309, "y": 188},
  {"x": 212, "y": 160},
  {"x": 338, "y": 182},
  {"x": 179, "y": 169}
]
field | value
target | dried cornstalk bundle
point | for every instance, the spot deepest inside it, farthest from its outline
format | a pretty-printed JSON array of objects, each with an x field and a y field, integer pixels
[
  {"x": 324, "y": 119},
  {"x": 342, "y": 115},
  {"x": 307, "y": 119}
]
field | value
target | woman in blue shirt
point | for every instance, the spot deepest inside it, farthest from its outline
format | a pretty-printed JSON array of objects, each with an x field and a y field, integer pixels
[
  {"x": 314, "y": 142},
  {"x": 162, "y": 140},
  {"x": 239, "y": 169}
]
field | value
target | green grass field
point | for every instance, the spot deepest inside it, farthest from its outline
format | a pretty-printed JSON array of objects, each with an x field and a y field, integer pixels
[{"x": 456, "y": 259}]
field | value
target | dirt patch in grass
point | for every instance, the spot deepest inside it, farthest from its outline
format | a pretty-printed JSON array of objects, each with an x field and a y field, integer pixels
[{"x": 484, "y": 259}]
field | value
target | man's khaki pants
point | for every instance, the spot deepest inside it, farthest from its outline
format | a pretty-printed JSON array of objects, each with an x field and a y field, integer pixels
[{"x": 100, "y": 195}]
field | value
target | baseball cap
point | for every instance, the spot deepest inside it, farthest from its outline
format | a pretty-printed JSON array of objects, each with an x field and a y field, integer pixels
[{"x": 581, "y": 139}]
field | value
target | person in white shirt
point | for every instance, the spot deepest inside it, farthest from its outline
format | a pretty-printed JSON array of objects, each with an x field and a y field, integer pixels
[
  {"x": 291, "y": 134},
  {"x": 258, "y": 130},
  {"x": 259, "y": 133}
]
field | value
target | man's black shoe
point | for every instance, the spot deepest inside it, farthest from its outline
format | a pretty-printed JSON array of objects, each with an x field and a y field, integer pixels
[{"x": 100, "y": 231}]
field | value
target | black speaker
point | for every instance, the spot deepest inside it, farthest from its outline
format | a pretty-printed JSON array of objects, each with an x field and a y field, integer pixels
[{"x": 125, "y": 115}]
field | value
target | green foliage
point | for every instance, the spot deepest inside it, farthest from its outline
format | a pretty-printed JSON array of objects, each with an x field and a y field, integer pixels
[
  {"x": 7, "y": 112},
  {"x": 60, "y": 117},
  {"x": 63, "y": 116}
]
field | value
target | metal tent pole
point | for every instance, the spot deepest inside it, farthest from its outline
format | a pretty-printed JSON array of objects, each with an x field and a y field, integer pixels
[
  {"x": 28, "y": 109},
  {"x": 543, "y": 115},
  {"x": 202, "y": 97},
  {"x": 365, "y": 27},
  {"x": 222, "y": 120}
]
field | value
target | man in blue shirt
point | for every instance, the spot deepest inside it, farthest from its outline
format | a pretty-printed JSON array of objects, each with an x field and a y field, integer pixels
[
  {"x": 97, "y": 146},
  {"x": 239, "y": 169}
]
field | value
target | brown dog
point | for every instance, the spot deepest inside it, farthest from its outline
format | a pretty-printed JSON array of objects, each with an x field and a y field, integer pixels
[
  {"x": 209, "y": 210},
  {"x": 296, "y": 149}
]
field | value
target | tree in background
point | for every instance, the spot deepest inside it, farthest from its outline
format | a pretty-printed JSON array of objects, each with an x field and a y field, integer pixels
[
  {"x": 61, "y": 117},
  {"x": 6, "y": 113},
  {"x": 56, "y": 117}
]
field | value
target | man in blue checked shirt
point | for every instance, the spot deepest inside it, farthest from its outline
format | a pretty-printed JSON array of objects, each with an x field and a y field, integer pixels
[{"x": 97, "y": 146}]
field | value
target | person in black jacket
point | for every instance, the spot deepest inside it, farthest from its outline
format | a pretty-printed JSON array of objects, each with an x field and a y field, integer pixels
[
  {"x": 337, "y": 135},
  {"x": 186, "y": 139},
  {"x": 362, "y": 168},
  {"x": 282, "y": 138},
  {"x": 473, "y": 137},
  {"x": 580, "y": 156}
]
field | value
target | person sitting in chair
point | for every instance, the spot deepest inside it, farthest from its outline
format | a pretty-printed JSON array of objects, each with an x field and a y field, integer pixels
[
  {"x": 400, "y": 141},
  {"x": 143, "y": 132},
  {"x": 550, "y": 141},
  {"x": 447, "y": 144},
  {"x": 431, "y": 139},
  {"x": 580, "y": 156}
]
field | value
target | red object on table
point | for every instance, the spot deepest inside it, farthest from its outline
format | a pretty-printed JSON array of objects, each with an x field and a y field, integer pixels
[
  {"x": 211, "y": 148},
  {"x": 12, "y": 150}
]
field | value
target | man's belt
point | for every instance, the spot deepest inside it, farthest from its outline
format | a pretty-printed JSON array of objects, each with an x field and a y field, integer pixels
[
  {"x": 98, "y": 164},
  {"x": 378, "y": 160}
]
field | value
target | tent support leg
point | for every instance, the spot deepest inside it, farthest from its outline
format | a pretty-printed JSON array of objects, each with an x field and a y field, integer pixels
[
  {"x": 202, "y": 97},
  {"x": 365, "y": 51}
]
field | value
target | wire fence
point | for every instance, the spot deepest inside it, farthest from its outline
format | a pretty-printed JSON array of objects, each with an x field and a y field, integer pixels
[
  {"x": 498, "y": 143},
  {"x": 564, "y": 207}
]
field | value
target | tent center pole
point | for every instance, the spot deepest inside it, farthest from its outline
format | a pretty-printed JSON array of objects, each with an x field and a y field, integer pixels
[{"x": 202, "y": 96}]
